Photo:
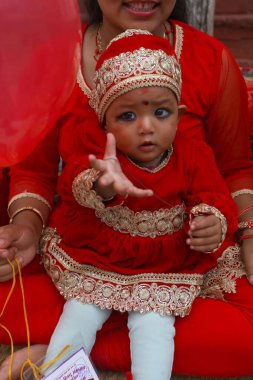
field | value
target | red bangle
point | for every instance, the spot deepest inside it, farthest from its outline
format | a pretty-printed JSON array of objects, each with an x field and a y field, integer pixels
[
  {"x": 244, "y": 210},
  {"x": 246, "y": 236},
  {"x": 247, "y": 224}
]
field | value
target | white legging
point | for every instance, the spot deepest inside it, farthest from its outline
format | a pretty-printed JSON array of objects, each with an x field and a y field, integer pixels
[{"x": 151, "y": 338}]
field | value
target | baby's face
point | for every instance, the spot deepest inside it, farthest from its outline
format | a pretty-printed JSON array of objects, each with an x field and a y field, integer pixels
[{"x": 144, "y": 122}]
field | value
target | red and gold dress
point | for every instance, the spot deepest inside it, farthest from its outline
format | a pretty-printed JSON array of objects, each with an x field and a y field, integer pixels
[
  {"x": 131, "y": 254},
  {"x": 216, "y": 333}
]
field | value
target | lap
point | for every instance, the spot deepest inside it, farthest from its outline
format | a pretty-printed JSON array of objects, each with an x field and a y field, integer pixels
[{"x": 214, "y": 335}]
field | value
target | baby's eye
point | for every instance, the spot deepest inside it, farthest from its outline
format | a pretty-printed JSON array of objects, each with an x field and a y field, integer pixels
[
  {"x": 127, "y": 116},
  {"x": 162, "y": 113}
]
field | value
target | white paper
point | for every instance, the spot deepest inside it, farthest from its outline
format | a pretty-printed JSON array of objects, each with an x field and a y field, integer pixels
[{"x": 76, "y": 367}]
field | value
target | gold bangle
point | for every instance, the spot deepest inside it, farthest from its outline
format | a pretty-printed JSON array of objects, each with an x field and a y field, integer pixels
[
  {"x": 28, "y": 208},
  {"x": 27, "y": 195}
]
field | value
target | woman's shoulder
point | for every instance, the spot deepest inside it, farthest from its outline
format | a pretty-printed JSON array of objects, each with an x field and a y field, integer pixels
[{"x": 197, "y": 38}]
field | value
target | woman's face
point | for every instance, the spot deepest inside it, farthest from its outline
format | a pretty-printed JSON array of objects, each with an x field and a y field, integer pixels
[{"x": 119, "y": 15}]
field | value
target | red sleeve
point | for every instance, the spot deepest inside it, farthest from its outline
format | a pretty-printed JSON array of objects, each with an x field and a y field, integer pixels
[
  {"x": 205, "y": 184},
  {"x": 38, "y": 173},
  {"x": 227, "y": 126}
]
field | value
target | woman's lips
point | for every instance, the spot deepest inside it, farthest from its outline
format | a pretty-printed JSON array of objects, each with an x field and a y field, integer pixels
[{"x": 139, "y": 8}]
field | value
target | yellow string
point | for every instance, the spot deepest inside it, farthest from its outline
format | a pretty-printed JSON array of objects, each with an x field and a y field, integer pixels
[
  {"x": 28, "y": 361},
  {"x": 3, "y": 309},
  {"x": 47, "y": 365},
  {"x": 12, "y": 287},
  {"x": 12, "y": 350},
  {"x": 37, "y": 371}
]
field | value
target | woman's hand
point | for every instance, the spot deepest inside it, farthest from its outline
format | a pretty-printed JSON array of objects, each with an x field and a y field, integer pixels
[
  {"x": 247, "y": 256},
  {"x": 112, "y": 180},
  {"x": 205, "y": 233},
  {"x": 16, "y": 241}
]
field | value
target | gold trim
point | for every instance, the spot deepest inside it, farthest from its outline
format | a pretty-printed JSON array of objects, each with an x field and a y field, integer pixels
[
  {"x": 122, "y": 219},
  {"x": 162, "y": 164},
  {"x": 82, "y": 189},
  {"x": 179, "y": 41},
  {"x": 144, "y": 223},
  {"x": 165, "y": 294},
  {"x": 223, "y": 277},
  {"x": 82, "y": 84},
  {"x": 28, "y": 195},
  {"x": 129, "y": 33},
  {"x": 241, "y": 192},
  {"x": 130, "y": 70}
]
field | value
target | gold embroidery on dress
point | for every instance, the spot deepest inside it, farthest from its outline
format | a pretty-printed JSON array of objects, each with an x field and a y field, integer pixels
[
  {"x": 179, "y": 41},
  {"x": 158, "y": 167},
  {"x": 143, "y": 223},
  {"x": 164, "y": 293},
  {"x": 81, "y": 82},
  {"x": 223, "y": 277},
  {"x": 82, "y": 189},
  {"x": 122, "y": 219}
]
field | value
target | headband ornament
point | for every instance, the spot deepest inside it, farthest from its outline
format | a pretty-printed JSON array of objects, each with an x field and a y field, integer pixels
[{"x": 132, "y": 60}]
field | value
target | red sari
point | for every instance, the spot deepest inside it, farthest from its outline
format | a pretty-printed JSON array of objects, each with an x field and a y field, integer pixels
[{"x": 216, "y": 333}]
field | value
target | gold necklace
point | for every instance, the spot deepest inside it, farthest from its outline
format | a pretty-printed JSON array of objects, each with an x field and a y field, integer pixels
[
  {"x": 99, "y": 49},
  {"x": 167, "y": 31}
]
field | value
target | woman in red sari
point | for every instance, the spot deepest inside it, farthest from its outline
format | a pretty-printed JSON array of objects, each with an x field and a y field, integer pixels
[{"x": 216, "y": 334}]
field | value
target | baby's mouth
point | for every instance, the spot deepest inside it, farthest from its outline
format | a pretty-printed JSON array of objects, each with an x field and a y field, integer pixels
[{"x": 147, "y": 145}]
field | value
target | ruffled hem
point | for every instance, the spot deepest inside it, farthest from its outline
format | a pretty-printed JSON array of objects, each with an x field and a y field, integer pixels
[{"x": 166, "y": 294}]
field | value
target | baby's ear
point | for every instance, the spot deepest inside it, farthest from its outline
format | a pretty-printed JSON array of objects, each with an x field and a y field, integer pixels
[{"x": 181, "y": 109}]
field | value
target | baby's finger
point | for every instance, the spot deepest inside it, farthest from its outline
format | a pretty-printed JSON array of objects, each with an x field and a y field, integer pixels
[
  {"x": 205, "y": 232},
  {"x": 140, "y": 193},
  {"x": 96, "y": 163},
  {"x": 110, "y": 148},
  {"x": 200, "y": 242}
]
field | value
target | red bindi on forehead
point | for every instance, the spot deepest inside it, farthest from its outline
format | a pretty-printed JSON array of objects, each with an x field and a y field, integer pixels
[{"x": 144, "y": 91}]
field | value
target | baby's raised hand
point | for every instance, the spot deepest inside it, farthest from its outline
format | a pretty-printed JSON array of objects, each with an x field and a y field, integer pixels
[
  {"x": 112, "y": 180},
  {"x": 205, "y": 233}
]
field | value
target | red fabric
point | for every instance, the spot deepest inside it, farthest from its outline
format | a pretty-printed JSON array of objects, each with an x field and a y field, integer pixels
[
  {"x": 196, "y": 181},
  {"x": 4, "y": 193},
  {"x": 215, "y": 339},
  {"x": 249, "y": 84}
]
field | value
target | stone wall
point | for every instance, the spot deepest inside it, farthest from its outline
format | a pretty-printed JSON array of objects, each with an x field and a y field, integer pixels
[{"x": 233, "y": 25}]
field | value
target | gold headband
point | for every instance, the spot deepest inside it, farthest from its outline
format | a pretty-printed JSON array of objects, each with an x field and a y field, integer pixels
[{"x": 131, "y": 70}]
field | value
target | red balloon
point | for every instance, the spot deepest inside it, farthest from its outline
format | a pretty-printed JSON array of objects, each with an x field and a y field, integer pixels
[{"x": 40, "y": 45}]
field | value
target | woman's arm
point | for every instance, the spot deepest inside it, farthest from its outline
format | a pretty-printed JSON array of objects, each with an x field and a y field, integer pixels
[
  {"x": 228, "y": 133},
  {"x": 32, "y": 189}
]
